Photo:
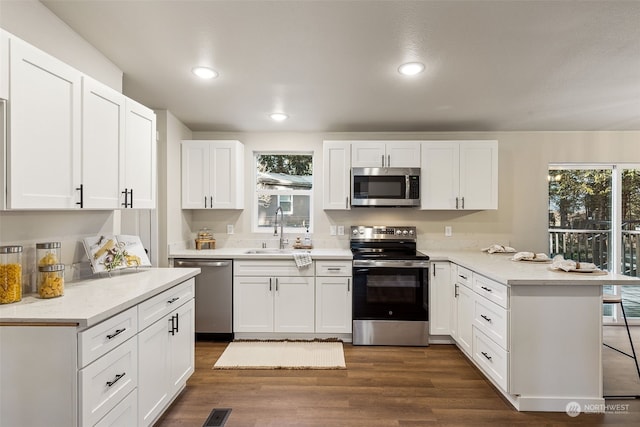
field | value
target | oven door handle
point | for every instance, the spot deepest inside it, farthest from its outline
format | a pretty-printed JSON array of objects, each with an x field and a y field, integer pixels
[{"x": 391, "y": 264}]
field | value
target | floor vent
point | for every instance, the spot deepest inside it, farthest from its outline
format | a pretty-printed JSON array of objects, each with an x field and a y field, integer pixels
[{"x": 217, "y": 417}]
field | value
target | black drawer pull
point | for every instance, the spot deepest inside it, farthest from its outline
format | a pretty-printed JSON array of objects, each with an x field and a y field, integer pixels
[
  {"x": 172, "y": 300},
  {"x": 487, "y": 289},
  {"x": 486, "y": 355},
  {"x": 488, "y": 319},
  {"x": 116, "y": 333},
  {"x": 463, "y": 277},
  {"x": 116, "y": 379}
]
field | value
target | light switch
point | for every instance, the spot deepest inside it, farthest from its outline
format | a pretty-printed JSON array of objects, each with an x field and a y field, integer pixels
[
  {"x": 332, "y": 230},
  {"x": 447, "y": 231},
  {"x": 229, "y": 228},
  {"x": 341, "y": 230}
]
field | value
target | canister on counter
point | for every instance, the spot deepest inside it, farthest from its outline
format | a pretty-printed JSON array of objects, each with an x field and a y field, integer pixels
[
  {"x": 51, "y": 280},
  {"x": 10, "y": 274},
  {"x": 48, "y": 253}
]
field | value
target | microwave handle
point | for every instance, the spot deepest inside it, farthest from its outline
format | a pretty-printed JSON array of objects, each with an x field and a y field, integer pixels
[{"x": 407, "y": 187}]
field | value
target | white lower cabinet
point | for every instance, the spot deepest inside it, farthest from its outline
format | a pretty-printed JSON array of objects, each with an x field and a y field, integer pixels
[
  {"x": 491, "y": 358},
  {"x": 123, "y": 372},
  {"x": 440, "y": 298},
  {"x": 167, "y": 349},
  {"x": 333, "y": 297},
  {"x": 464, "y": 321}
]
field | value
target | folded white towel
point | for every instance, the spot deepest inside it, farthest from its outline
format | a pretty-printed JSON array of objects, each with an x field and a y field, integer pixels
[
  {"x": 302, "y": 259},
  {"x": 530, "y": 256},
  {"x": 498, "y": 249},
  {"x": 559, "y": 263}
]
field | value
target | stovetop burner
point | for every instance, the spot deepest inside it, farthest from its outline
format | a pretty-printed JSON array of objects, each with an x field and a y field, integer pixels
[{"x": 385, "y": 243}]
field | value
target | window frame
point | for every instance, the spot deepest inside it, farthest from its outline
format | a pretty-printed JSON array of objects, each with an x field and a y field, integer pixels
[{"x": 255, "y": 228}]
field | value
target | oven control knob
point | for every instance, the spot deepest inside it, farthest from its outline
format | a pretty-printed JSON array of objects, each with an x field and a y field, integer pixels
[
  {"x": 362, "y": 231},
  {"x": 405, "y": 232},
  {"x": 398, "y": 232},
  {"x": 355, "y": 232},
  {"x": 411, "y": 232}
]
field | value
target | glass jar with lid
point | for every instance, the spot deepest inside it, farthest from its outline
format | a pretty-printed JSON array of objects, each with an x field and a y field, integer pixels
[
  {"x": 10, "y": 274},
  {"x": 48, "y": 253},
  {"x": 51, "y": 280}
]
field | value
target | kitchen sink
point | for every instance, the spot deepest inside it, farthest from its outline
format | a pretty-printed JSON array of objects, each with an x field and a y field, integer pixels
[{"x": 273, "y": 251}]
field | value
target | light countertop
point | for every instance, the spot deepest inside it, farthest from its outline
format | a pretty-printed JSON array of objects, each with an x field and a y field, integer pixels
[
  {"x": 241, "y": 253},
  {"x": 91, "y": 301},
  {"x": 501, "y": 268}
]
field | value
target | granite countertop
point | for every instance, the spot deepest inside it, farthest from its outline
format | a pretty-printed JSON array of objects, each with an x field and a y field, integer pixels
[
  {"x": 241, "y": 253},
  {"x": 91, "y": 301},
  {"x": 501, "y": 268}
]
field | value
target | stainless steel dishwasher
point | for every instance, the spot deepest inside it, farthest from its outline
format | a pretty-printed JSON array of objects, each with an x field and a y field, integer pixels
[{"x": 214, "y": 297}]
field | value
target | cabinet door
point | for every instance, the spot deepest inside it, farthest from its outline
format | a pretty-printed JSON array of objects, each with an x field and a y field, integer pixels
[
  {"x": 333, "y": 305},
  {"x": 182, "y": 343},
  {"x": 294, "y": 304},
  {"x": 102, "y": 144},
  {"x": 479, "y": 175},
  {"x": 195, "y": 175},
  {"x": 453, "y": 295},
  {"x": 336, "y": 177},
  {"x": 140, "y": 156},
  {"x": 465, "y": 307},
  {"x": 153, "y": 370},
  {"x": 368, "y": 154},
  {"x": 403, "y": 154},
  {"x": 440, "y": 175},
  {"x": 253, "y": 304},
  {"x": 226, "y": 172},
  {"x": 44, "y": 140},
  {"x": 440, "y": 299}
]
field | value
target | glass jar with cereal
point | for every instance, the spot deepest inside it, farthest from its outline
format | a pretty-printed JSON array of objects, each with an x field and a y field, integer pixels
[{"x": 10, "y": 274}]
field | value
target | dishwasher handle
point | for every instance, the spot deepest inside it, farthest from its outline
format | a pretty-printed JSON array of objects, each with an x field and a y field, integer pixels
[{"x": 201, "y": 263}]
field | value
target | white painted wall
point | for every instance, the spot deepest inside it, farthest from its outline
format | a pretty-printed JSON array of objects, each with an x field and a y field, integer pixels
[{"x": 33, "y": 22}]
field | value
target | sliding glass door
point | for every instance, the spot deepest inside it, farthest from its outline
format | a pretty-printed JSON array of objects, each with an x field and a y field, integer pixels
[{"x": 594, "y": 216}]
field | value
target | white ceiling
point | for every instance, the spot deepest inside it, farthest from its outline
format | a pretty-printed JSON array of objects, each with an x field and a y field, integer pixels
[{"x": 332, "y": 65}]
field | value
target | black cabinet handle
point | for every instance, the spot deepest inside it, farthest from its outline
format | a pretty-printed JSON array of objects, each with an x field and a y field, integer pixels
[
  {"x": 172, "y": 300},
  {"x": 172, "y": 329},
  {"x": 131, "y": 194},
  {"x": 81, "y": 190},
  {"x": 205, "y": 202},
  {"x": 177, "y": 322},
  {"x": 486, "y": 355},
  {"x": 462, "y": 277},
  {"x": 488, "y": 319},
  {"x": 116, "y": 333},
  {"x": 486, "y": 289},
  {"x": 116, "y": 379},
  {"x": 455, "y": 294},
  {"x": 126, "y": 198}
]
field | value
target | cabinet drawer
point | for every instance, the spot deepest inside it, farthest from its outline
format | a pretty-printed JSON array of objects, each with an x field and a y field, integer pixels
[
  {"x": 270, "y": 268},
  {"x": 490, "y": 289},
  {"x": 492, "y": 359},
  {"x": 157, "y": 307},
  {"x": 125, "y": 414},
  {"x": 464, "y": 277},
  {"x": 333, "y": 268},
  {"x": 491, "y": 319},
  {"x": 105, "y": 336},
  {"x": 105, "y": 382}
]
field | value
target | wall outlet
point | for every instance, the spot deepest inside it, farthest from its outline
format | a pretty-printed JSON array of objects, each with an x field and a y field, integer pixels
[
  {"x": 341, "y": 230},
  {"x": 332, "y": 230},
  {"x": 229, "y": 228},
  {"x": 447, "y": 231}
]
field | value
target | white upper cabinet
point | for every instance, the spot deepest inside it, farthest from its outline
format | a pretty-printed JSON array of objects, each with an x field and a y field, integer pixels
[
  {"x": 336, "y": 176},
  {"x": 459, "y": 175},
  {"x": 384, "y": 154},
  {"x": 138, "y": 189},
  {"x": 103, "y": 133},
  {"x": 44, "y": 131},
  {"x": 4, "y": 64},
  {"x": 212, "y": 174}
]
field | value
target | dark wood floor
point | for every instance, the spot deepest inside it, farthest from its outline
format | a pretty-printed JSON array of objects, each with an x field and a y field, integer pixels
[{"x": 382, "y": 386}]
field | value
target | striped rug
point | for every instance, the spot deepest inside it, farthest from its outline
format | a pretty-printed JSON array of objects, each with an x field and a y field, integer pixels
[{"x": 282, "y": 355}]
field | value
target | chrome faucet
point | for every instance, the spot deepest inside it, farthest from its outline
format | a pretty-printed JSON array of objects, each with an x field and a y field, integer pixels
[{"x": 275, "y": 226}]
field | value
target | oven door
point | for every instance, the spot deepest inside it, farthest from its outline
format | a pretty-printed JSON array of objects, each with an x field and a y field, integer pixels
[{"x": 390, "y": 292}]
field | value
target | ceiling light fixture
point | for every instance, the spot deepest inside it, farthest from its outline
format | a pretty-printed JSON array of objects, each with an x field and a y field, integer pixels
[
  {"x": 205, "y": 73},
  {"x": 278, "y": 117},
  {"x": 411, "y": 68}
]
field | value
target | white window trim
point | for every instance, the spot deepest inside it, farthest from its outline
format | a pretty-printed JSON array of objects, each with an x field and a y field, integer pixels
[{"x": 254, "y": 202}]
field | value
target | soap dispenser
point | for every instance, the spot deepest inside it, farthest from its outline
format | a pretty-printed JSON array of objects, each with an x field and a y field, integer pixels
[{"x": 307, "y": 239}]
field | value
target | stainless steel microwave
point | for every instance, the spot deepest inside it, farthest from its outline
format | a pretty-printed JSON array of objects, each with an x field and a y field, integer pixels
[{"x": 385, "y": 187}]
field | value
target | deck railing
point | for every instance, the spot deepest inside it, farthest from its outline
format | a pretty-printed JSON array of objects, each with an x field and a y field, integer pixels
[{"x": 581, "y": 245}]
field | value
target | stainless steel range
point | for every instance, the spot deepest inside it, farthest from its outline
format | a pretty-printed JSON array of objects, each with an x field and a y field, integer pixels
[{"x": 390, "y": 287}]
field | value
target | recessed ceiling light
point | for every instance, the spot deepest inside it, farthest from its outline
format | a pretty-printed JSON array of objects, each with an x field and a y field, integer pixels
[
  {"x": 278, "y": 117},
  {"x": 411, "y": 68},
  {"x": 205, "y": 73}
]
